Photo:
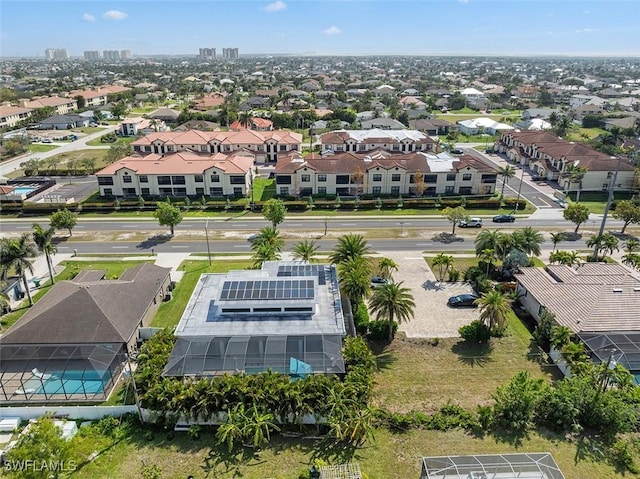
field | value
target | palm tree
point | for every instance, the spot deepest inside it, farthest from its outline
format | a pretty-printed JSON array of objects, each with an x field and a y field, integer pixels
[
  {"x": 392, "y": 302},
  {"x": 568, "y": 258},
  {"x": 494, "y": 309},
  {"x": 4, "y": 300},
  {"x": 632, "y": 245},
  {"x": 264, "y": 252},
  {"x": 270, "y": 236},
  {"x": 17, "y": 256},
  {"x": 528, "y": 240},
  {"x": 443, "y": 262},
  {"x": 557, "y": 238},
  {"x": 605, "y": 243},
  {"x": 386, "y": 268},
  {"x": 575, "y": 175},
  {"x": 355, "y": 278},
  {"x": 349, "y": 246},
  {"x": 245, "y": 119},
  {"x": 487, "y": 256},
  {"x": 305, "y": 250},
  {"x": 488, "y": 239},
  {"x": 507, "y": 172},
  {"x": 43, "y": 240}
]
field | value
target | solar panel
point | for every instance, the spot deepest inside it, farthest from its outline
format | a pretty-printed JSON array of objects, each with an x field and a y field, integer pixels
[
  {"x": 317, "y": 270},
  {"x": 272, "y": 289}
]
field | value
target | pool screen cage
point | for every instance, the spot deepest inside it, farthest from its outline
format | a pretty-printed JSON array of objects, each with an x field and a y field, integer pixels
[
  {"x": 294, "y": 355},
  {"x": 539, "y": 465},
  {"x": 341, "y": 471},
  {"x": 614, "y": 348},
  {"x": 66, "y": 373}
]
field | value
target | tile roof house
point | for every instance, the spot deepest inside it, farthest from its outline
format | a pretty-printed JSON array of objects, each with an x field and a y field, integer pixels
[
  {"x": 63, "y": 122},
  {"x": 256, "y": 124},
  {"x": 60, "y": 104},
  {"x": 165, "y": 114},
  {"x": 82, "y": 328},
  {"x": 11, "y": 115},
  {"x": 366, "y": 140},
  {"x": 381, "y": 123}
]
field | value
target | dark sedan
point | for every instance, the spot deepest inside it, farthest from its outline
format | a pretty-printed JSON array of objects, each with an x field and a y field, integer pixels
[
  {"x": 504, "y": 219},
  {"x": 462, "y": 301}
]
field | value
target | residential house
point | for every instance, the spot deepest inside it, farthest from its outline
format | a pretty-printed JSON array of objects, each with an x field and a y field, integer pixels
[
  {"x": 266, "y": 145},
  {"x": 381, "y": 123},
  {"x": 208, "y": 102},
  {"x": 92, "y": 98},
  {"x": 477, "y": 126},
  {"x": 71, "y": 345},
  {"x": 621, "y": 123},
  {"x": 431, "y": 126},
  {"x": 61, "y": 105},
  {"x": 412, "y": 103},
  {"x": 286, "y": 317},
  {"x": 366, "y": 140},
  {"x": 543, "y": 113},
  {"x": 255, "y": 124},
  {"x": 533, "y": 124},
  {"x": 381, "y": 172},
  {"x": 383, "y": 90},
  {"x": 12, "y": 115},
  {"x": 577, "y": 100},
  {"x": 164, "y": 114},
  {"x": 140, "y": 126},
  {"x": 201, "y": 125},
  {"x": 182, "y": 173},
  {"x": 475, "y": 98},
  {"x": 255, "y": 102},
  {"x": 583, "y": 110},
  {"x": 63, "y": 122}
]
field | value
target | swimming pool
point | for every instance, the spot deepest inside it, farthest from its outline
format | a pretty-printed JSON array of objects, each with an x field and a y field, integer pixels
[
  {"x": 24, "y": 190},
  {"x": 71, "y": 382}
]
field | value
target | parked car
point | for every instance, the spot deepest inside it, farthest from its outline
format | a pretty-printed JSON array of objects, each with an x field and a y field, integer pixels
[
  {"x": 462, "y": 301},
  {"x": 47, "y": 140},
  {"x": 504, "y": 219},
  {"x": 472, "y": 223},
  {"x": 457, "y": 151},
  {"x": 93, "y": 124},
  {"x": 378, "y": 282}
]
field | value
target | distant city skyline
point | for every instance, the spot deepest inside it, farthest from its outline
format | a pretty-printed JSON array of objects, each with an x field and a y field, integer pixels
[{"x": 324, "y": 27}]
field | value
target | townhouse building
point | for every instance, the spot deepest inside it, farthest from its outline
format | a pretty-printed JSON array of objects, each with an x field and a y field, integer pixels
[
  {"x": 61, "y": 105},
  {"x": 383, "y": 173},
  {"x": 12, "y": 115},
  {"x": 550, "y": 157},
  {"x": 361, "y": 141},
  {"x": 180, "y": 174},
  {"x": 266, "y": 146},
  {"x": 94, "y": 98}
]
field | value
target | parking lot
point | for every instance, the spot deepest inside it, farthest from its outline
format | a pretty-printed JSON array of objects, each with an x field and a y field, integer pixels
[
  {"x": 68, "y": 188},
  {"x": 433, "y": 318}
]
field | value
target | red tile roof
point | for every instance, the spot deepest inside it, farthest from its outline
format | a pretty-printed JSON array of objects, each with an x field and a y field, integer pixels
[{"x": 195, "y": 137}]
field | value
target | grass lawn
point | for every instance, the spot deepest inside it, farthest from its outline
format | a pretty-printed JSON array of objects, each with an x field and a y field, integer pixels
[
  {"x": 41, "y": 148},
  {"x": 121, "y": 139},
  {"x": 88, "y": 129},
  {"x": 169, "y": 313},
  {"x": 596, "y": 201},
  {"x": 264, "y": 189},
  {"x": 461, "y": 264},
  {"x": 584, "y": 134}
]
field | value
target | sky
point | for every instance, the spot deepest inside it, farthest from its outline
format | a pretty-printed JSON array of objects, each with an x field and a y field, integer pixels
[{"x": 324, "y": 27}]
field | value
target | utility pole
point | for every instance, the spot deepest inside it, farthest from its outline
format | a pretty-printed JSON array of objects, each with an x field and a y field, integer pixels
[
  {"x": 612, "y": 186},
  {"x": 519, "y": 190},
  {"x": 206, "y": 233}
]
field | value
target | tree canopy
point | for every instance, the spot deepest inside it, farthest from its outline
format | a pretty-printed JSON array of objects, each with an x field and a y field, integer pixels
[
  {"x": 274, "y": 210},
  {"x": 168, "y": 215},
  {"x": 576, "y": 213},
  {"x": 64, "y": 219}
]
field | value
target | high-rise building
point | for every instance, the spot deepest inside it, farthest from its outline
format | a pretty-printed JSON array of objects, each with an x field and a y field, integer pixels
[
  {"x": 92, "y": 55},
  {"x": 208, "y": 53},
  {"x": 125, "y": 54},
  {"x": 56, "y": 54},
  {"x": 230, "y": 53},
  {"x": 111, "y": 55}
]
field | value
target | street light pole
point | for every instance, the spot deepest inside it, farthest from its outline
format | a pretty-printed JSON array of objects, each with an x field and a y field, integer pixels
[
  {"x": 612, "y": 186},
  {"x": 206, "y": 233},
  {"x": 519, "y": 190}
]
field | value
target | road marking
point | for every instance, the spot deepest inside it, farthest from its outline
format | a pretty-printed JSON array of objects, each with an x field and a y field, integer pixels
[
  {"x": 23, "y": 227},
  {"x": 348, "y": 224},
  {"x": 424, "y": 244},
  {"x": 120, "y": 247},
  {"x": 177, "y": 246},
  {"x": 294, "y": 224},
  {"x": 239, "y": 246},
  {"x": 239, "y": 224}
]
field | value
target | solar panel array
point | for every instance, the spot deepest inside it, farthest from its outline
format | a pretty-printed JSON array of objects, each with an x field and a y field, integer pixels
[
  {"x": 304, "y": 270},
  {"x": 267, "y": 289}
]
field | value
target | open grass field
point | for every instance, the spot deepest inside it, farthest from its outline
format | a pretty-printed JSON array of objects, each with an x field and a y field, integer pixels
[
  {"x": 122, "y": 139},
  {"x": 40, "y": 148},
  {"x": 88, "y": 129},
  {"x": 597, "y": 201},
  {"x": 583, "y": 135}
]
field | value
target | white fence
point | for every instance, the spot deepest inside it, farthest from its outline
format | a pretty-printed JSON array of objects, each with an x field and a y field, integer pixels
[{"x": 71, "y": 412}]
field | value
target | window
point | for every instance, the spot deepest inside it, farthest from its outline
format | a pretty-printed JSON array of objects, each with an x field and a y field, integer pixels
[
  {"x": 377, "y": 177},
  {"x": 143, "y": 179},
  {"x": 339, "y": 147},
  {"x": 203, "y": 147},
  {"x": 342, "y": 179},
  {"x": 180, "y": 191},
  {"x": 395, "y": 190},
  {"x": 198, "y": 178},
  {"x": 284, "y": 190},
  {"x": 342, "y": 191},
  {"x": 306, "y": 191},
  {"x": 489, "y": 178},
  {"x": 322, "y": 178},
  {"x": 430, "y": 178},
  {"x": 396, "y": 147},
  {"x": 605, "y": 186},
  {"x": 362, "y": 147},
  {"x": 466, "y": 177},
  {"x": 227, "y": 147},
  {"x": 306, "y": 178},
  {"x": 127, "y": 179},
  {"x": 609, "y": 175},
  {"x": 451, "y": 177},
  {"x": 237, "y": 180},
  {"x": 283, "y": 179},
  {"x": 166, "y": 191},
  {"x": 137, "y": 148},
  {"x": 170, "y": 148},
  {"x": 215, "y": 191},
  {"x": 215, "y": 178},
  {"x": 395, "y": 177},
  {"x": 164, "y": 180},
  {"x": 144, "y": 191},
  {"x": 105, "y": 180},
  {"x": 376, "y": 190},
  {"x": 322, "y": 190},
  {"x": 430, "y": 191},
  {"x": 199, "y": 191},
  {"x": 260, "y": 147},
  {"x": 108, "y": 192},
  {"x": 178, "y": 180},
  {"x": 283, "y": 147},
  {"x": 465, "y": 190},
  {"x": 449, "y": 190},
  {"x": 147, "y": 148}
]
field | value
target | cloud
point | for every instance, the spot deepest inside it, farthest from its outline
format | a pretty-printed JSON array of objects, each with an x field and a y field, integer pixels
[
  {"x": 114, "y": 15},
  {"x": 87, "y": 17},
  {"x": 586, "y": 30},
  {"x": 276, "y": 6},
  {"x": 332, "y": 31}
]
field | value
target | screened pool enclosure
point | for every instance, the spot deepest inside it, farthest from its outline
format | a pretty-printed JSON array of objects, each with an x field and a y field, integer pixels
[{"x": 539, "y": 465}]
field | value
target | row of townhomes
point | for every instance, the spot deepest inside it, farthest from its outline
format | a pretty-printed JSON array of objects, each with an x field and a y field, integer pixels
[
  {"x": 549, "y": 156},
  {"x": 395, "y": 141}
]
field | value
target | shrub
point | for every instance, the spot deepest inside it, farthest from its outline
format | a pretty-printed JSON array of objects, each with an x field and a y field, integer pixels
[
  {"x": 379, "y": 330},
  {"x": 361, "y": 318},
  {"x": 194, "y": 431},
  {"x": 451, "y": 416},
  {"x": 475, "y": 332},
  {"x": 454, "y": 275},
  {"x": 622, "y": 456}
]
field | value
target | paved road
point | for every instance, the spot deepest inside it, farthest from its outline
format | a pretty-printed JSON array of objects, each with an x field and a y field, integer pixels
[{"x": 8, "y": 166}]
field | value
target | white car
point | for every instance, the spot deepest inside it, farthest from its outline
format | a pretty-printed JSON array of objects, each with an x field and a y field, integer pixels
[{"x": 472, "y": 223}]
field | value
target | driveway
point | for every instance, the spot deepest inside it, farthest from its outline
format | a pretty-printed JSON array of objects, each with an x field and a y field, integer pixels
[{"x": 433, "y": 318}]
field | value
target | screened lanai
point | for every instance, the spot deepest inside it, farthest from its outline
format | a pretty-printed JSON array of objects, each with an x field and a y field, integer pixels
[
  {"x": 539, "y": 465},
  {"x": 68, "y": 372},
  {"x": 621, "y": 348},
  {"x": 294, "y": 355}
]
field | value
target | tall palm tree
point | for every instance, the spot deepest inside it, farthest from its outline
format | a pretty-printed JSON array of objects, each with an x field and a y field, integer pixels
[
  {"x": 386, "y": 268},
  {"x": 488, "y": 239},
  {"x": 557, "y": 238},
  {"x": 632, "y": 245},
  {"x": 17, "y": 255},
  {"x": 43, "y": 239},
  {"x": 392, "y": 302},
  {"x": 528, "y": 240},
  {"x": 494, "y": 309},
  {"x": 305, "y": 250},
  {"x": 349, "y": 246},
  {"x": 443, "y": 262},
  {"x": 506, "y": 172},
  {"x": 264, "y": 252},
  {"x": 575, "y": 174},
  {"x": 487, "y": 256},
  {"x": 270, "y": 236},
  {"x": 245, "y": 119},
  {"x": 355, "y": 278}
]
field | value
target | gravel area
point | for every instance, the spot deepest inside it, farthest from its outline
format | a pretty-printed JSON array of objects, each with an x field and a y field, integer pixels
[{"x": 433, "y": 318}]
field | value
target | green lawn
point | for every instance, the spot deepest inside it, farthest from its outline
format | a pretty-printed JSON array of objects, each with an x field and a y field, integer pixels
[
  {"x": 170, "y": 312},
  {"x": 121, "y": 139},
  {"x": 264, "y": 189},
  {"x": 88, "y": 129},
  {"x": 597, "y": 201},
  {"x": 583, "y": 135},
  {"x": 41, "y": 148}
]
